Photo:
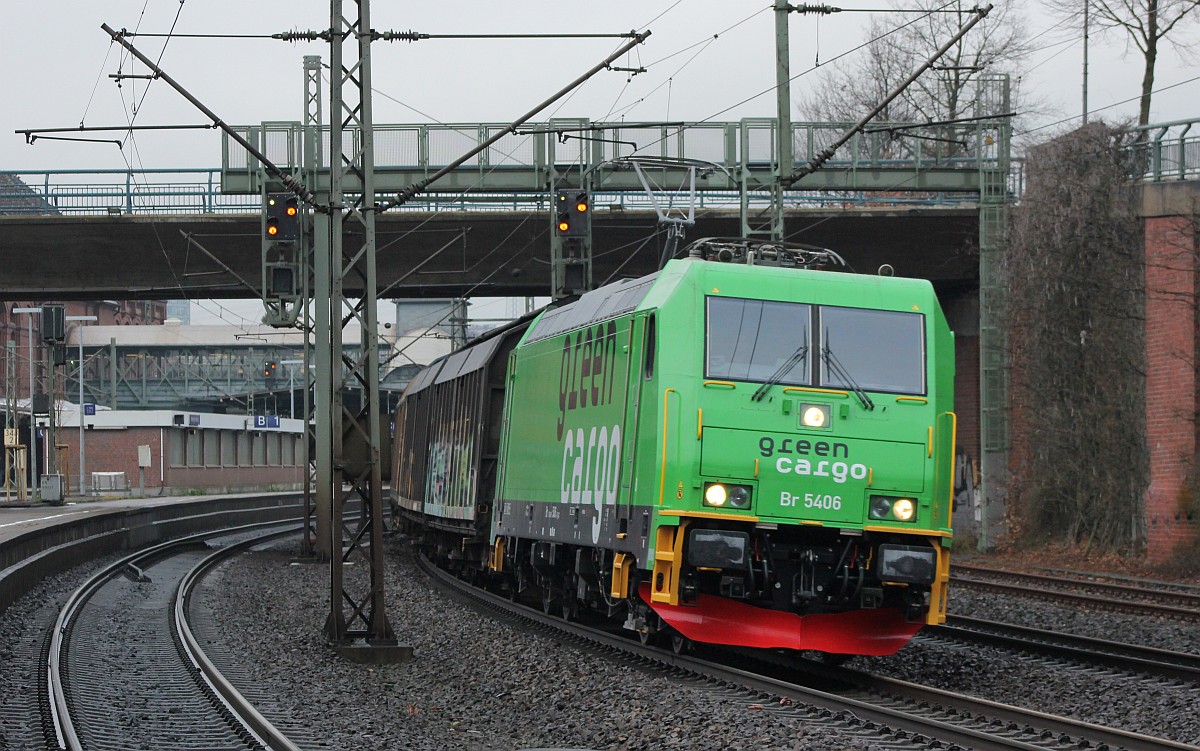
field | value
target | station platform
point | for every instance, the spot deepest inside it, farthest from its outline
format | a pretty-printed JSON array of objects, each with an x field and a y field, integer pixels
[{"x": 17, "y": 518}]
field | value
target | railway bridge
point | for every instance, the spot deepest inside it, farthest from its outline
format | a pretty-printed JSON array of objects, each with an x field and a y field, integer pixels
[{"x": 928, "y": 201}]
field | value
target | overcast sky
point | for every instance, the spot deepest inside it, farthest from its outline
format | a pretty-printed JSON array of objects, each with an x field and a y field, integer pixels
[{"x": 705, "y": 59}]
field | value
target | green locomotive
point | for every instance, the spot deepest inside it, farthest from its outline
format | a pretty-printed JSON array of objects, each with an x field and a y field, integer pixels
[{"x": 737, "y": 449}]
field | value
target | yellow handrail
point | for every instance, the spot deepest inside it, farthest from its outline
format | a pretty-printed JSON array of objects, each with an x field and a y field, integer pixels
[{"x": 662, "y": 475}]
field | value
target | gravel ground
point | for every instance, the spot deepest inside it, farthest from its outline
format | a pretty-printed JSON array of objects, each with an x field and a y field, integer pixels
[
  {"x": 1145, "y": 705},
  {"x": 479, "y": 684},
  {"x": 474, "y": 683}
]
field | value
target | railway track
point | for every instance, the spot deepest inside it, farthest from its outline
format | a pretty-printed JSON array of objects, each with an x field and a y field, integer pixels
[
  {"x": 891, "y": 711},
  {"x": 1127, "y": 596},
  {"x": 124, "y": 669},
  {"x": 1133, "y": 658}
]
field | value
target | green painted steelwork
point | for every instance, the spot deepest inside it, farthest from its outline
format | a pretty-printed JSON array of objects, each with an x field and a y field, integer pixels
[{"x": 533, "y": 158}]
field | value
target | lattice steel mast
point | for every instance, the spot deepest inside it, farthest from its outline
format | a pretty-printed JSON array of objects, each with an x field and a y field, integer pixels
[{"x": 357, "y": 616}]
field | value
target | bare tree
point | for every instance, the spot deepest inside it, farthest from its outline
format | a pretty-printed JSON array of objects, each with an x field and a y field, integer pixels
[
  {"x": 1074, "y": 271},
  {"x": 899, "y": 43},
  {"x": 1146, "y": 23}
]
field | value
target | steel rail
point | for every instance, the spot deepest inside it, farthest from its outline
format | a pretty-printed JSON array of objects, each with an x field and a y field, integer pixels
[
  {"x": 1131, "y": 657},
  {"x": 262, "y": 729},
  {"x": 60, "y": 707},
  {"x": 1187, "y": 598},
  {"x": 901, "y": 719},
  {"x": 1087, "y": 600}
]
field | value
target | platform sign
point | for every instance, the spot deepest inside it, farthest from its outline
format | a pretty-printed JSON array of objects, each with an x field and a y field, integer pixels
[
  {"x": 10, "y": 437},
  {"x": 89, "y": 409},
  {"x": 266, "y": 421}
]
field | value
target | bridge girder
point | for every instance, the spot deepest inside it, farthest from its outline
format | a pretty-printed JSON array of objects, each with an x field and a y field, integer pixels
[{"x": 438, "y": 254}]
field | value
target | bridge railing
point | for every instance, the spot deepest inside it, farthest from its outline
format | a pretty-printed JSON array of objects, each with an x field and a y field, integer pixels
[
  {"x": 538, "y": 152},
  {"x": 1167, "y": 151},
  {"x": 92, "y": 192},
  {"x": 541, "y": 150},
  {"x": 165, "y": 192}
]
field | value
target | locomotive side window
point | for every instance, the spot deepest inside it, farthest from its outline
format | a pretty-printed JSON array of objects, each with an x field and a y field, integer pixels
[
  {"x": 757, "y": 340},
  {"x": 875, "y": 350},
  {"x": 648, "y": 349}
]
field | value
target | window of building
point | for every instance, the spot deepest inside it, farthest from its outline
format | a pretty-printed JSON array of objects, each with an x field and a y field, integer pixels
[
  {"x": 176, "y": 447},
  {"x": 228, "y": 448},
  {"x": 260, "y": 449},
  {"x": 212, "y": 447},
  {"x": 195, "y": 449}
]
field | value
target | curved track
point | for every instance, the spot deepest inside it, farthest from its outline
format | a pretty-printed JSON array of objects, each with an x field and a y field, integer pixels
[
  {"x": 124, "y": 669},
  {"x": 882, "y": 707}
]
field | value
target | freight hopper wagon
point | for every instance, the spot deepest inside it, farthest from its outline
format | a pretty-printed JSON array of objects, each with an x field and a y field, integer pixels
[{"x": 738, "y": 449}]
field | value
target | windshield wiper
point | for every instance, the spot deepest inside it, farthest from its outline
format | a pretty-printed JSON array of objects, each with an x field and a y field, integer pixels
[
  {"x": 836, "y": 368},
  {"x": 788, "y": 365}
]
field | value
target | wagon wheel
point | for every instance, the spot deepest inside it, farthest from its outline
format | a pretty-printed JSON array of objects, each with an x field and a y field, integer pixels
[
  {"x": 569, "y": 609},
  {"x": 547, "y": 599},
  {"x": 517, "y": 584}
]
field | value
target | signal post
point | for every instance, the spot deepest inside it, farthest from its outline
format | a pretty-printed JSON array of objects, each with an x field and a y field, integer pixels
[{"x": 571, "y": 242}]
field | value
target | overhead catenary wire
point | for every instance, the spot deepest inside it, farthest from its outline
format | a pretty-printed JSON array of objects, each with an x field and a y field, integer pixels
[
  {"x": 706, "y": 43},
  {"x": 416, "y": 188},
  {"x": 289, "y": 181},
  {"x": 825, "y": 154}
]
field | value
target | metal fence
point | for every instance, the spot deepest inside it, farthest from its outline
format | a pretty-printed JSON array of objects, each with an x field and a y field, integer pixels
[{"x": 1166, "y": 151}]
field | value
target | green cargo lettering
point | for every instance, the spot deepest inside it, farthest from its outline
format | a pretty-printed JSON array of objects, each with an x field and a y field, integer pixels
[
  {"x": 590, "y": 470},
  {"x": 586, "y": 376}
]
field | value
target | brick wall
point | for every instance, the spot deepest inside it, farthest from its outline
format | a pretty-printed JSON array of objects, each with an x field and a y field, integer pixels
[
  {"x": 116, "y": 451},
  {"x": 111, "y": 451},
  {"x": 966, "y": 393},
  {"x": 1171, "y": 384}
]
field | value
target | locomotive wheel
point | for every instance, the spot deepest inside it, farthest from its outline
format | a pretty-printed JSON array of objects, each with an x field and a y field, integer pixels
[
  {"x": 680, "y": 643},
  {"x": 652, "y": 637}
]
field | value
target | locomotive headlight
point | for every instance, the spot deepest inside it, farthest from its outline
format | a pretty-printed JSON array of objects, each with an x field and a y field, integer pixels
[
  {"x": 715, "y": 495},
  {"x": 885, "y": 508},
  {"x": 881, "y": 506},
  {"x": 739, "y": 497},
  {"x": 720, "y": 495},
  {"x": 904, "y": 509},
  {"x": 814, "y": 415}
]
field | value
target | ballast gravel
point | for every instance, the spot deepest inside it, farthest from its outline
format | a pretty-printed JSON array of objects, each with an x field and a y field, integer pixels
[{"x": 476, "y": 683}]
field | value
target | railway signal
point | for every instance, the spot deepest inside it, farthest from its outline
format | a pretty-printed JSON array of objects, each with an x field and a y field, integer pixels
[
  {"x": 281, "y": 217},
  {"x": 571, "y": 213},
  {"x": 283, "y": 237},
  {"x": 269, "y": 368}
]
